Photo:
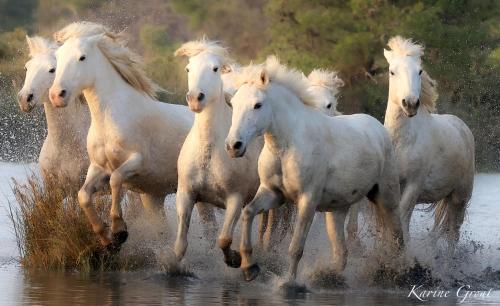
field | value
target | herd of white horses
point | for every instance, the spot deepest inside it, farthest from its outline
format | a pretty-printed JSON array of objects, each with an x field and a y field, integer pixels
[{"x": 251, "y": 139}]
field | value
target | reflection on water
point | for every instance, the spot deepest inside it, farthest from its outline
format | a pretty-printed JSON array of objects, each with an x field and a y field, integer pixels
[
  {"x": 150, "y": 288},
  {"x": 216, "y": 284}
]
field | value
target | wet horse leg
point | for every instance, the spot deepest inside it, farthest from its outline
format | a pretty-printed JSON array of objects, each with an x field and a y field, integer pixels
[
  {"x": 234, "y": 204},
  {"x": 335, "y": 228},
  {"x": 153, "y": 204},
  {"x": 207, "y": 216},
  {"x": 184, "y": 204},
  {"x": 264, "y": 200},
  {"x": 129, "y": 168},
  {"x": 305, "y": 216},
  {"x": 96, "y": 178}
]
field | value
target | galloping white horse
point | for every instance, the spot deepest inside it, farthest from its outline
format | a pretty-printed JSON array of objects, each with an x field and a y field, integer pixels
[
  {"x": 64, "y": 155},
  {"x": 324, "y": 86},
  {"x": 320, "y": 163},
  {"x": 206, "y": 172},
  {"x": 134, "y": 141},
  {"x": 435, "y": 153}
]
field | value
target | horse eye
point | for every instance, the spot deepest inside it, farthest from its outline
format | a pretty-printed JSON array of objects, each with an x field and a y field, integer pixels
[
  {"x": 52, "y": 70},
  {"x": 216, "y": 68},
  {"x": 82, "y": 58},
  {"x": 329, "y": 106},
  {"x": 25, "y": 68},
  {"x": 392, "y": 73},
  {"x": 187, "y": 69},
  {"x": 257, "y": 106},
  {"x": 420, "y": 72}
]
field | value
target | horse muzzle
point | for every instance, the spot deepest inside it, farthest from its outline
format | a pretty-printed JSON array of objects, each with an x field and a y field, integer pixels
[
  {"x": 26, "y": 103},
  {"x": 58, "y": 97},
  {"x": 235, "y": 149},
  {"x": 195, "y": 106}
]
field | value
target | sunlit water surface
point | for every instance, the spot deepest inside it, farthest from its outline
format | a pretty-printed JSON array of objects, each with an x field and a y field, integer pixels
[{"x": 213, "y": 283}]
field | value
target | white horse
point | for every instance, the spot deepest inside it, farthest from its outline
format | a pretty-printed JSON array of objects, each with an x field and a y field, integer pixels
[
  {"x": 320, "y": 163},
  {"x": 435, "y": 153},
  {"x": 63, "y": 156},
  {"x": 206, "y": 172},
  {"x": 133, "y": 141},
  {"x": 324, "y": 86}
]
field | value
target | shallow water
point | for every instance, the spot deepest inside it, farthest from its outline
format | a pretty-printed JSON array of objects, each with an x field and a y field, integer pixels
[{"x": 213, "y": 283}]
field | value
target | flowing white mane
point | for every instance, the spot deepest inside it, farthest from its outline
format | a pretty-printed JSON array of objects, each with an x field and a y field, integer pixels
[
  {"x": 327, "y": 79},
  {"x": 128, "y": 64},
  {"x": 40, "y": 45},
  {"x": 405, "y": 47},
  {"x": 85, "y": 28},
  {"x": 290, "y": 78},
  {"x": 195, "y": 47},
  {"x": 428, "y": 92}
]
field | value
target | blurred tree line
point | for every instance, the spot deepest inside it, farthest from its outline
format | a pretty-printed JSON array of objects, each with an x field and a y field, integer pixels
[{"x": 462, "y": 40}]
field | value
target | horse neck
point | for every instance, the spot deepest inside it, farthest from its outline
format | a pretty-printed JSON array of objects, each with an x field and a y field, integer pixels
[
  {"x": 213, "y": 123},
  {"x": 110, "y": 93},
  {"x": 287, "y": 120},
  {"x": 400, "y": 126},
  {"x": 64, "y": 123}
]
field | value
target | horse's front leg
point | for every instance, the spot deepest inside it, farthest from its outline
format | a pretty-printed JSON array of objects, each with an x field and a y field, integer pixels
[
  {"x": 184, "y": 204},
  {"x": 306, "y": 210},
  {"x": 335, "y": 228},
  {"x": 96, "y": 178},
  {"x": 264, "y": 200},
  {"x": 126, "y": 170},
  {"x": 409, "y": 196},
  {"x": 234, "y": 203}
]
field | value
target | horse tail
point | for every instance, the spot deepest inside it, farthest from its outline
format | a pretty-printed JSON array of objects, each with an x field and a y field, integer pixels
[{"x": 442, "y": 210}]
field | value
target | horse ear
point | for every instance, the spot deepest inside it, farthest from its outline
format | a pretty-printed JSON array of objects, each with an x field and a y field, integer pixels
[
  {"x": 225, "y": 69},
  {"x": 338, "y": 82},
  {"x": 264, "y": 77},
  {"x": 388, "y": 55},
  {"x": 31, "y": 45}
]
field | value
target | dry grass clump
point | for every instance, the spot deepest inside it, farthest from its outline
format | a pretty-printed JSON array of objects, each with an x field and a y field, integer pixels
[{"x": 53, "y": 232}]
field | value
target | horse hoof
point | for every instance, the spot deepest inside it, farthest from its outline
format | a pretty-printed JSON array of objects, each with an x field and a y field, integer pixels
[
  {"x": 251, "y": 272},
  {"x": 119, "y": 238},
  {"x": 112, "y": 249},
  {"x": 233, "y": 260}
]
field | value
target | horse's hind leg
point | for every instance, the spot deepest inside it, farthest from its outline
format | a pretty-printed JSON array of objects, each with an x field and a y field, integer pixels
[
  {"x": 352, "y": 225},
  {"x": 153, "y": 204},
  {"x": 121, "y": 174},
  {"x": 386, "y": 199},
  {"x": 95, "y": 180},
  {"x": 449, "y": 216},
  {"x": 207, "y": 216},
  {"x": 335, "y": 228}
]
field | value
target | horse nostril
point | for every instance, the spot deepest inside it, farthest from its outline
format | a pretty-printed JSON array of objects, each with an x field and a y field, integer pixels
[
  {"x": 62, "y": 94},
  {"x": 30, "y": 98},
  {"x": 237, "y": 145},
  {"x": 404, "y": 102},
  {"x": 201, "y": 96},
  {"x": 418, "y": 102}
]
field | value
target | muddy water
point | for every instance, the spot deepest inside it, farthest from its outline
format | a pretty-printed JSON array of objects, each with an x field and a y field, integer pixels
[{"x": 210, "y": 282}]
